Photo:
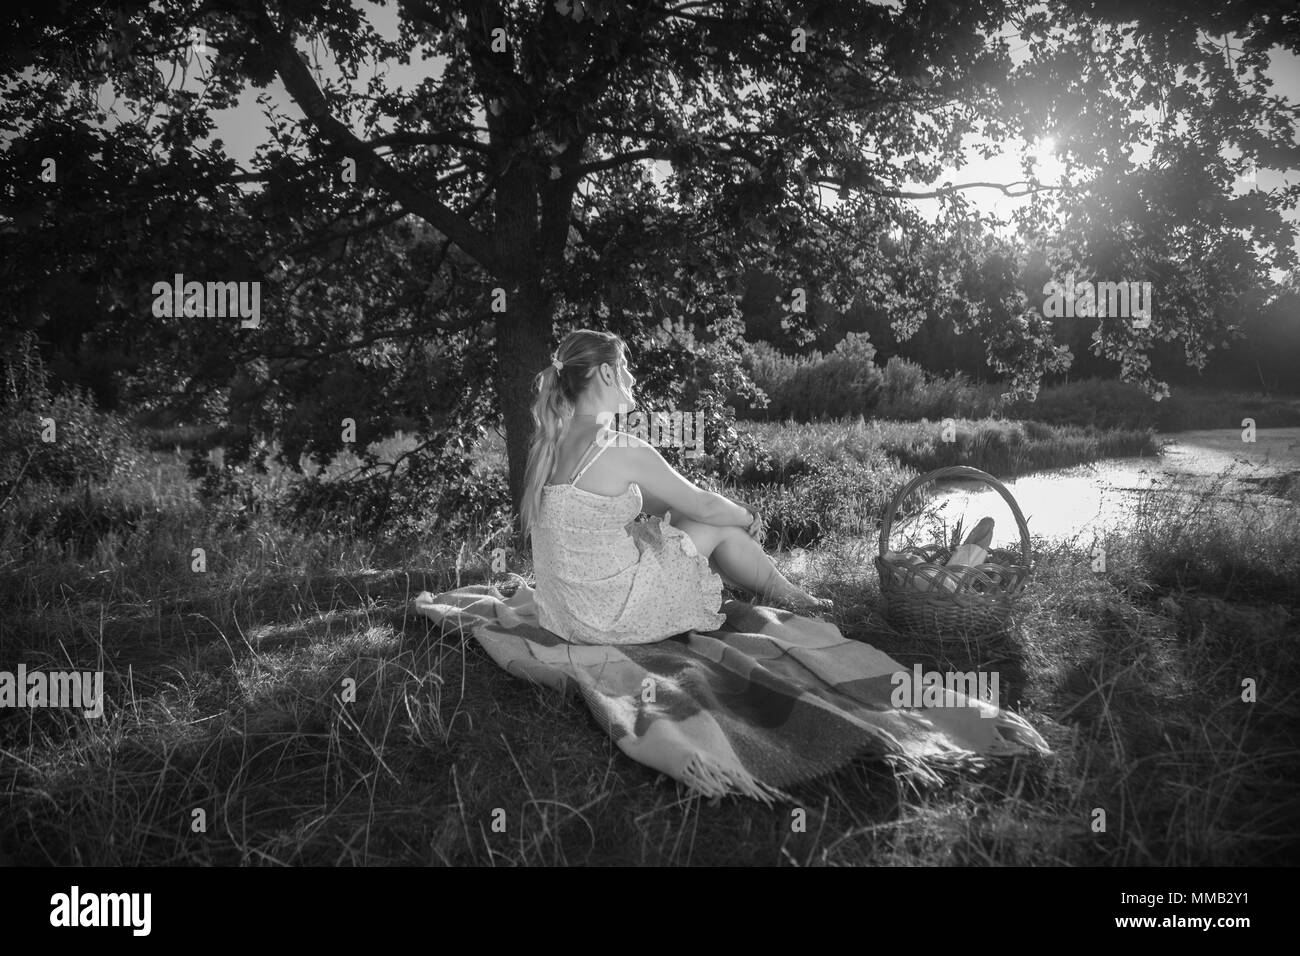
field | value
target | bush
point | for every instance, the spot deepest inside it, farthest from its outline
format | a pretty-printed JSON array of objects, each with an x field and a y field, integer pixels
[
  {"x": 1109, "y": 404},
  {"x": 1185, "y": 410},
  {"x": 846, "y": 382},
  {"x": 421, "y": 500},
  {"x": 1099, "y": 403},
  {"x": 87, "y": 444},
  {"x": 909, "y": 393},
  {"x": 233, "y": 493},
  {"x": 901, "y": 381}
]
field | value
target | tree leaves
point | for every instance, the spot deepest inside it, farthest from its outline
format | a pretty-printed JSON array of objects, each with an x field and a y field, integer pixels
[{"x": 756, "y": 132}]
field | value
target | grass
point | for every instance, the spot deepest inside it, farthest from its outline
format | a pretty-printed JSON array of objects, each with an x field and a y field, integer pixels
[
  {"x": 226, "y": 692},
  {"x": 1004, "y": 449}
]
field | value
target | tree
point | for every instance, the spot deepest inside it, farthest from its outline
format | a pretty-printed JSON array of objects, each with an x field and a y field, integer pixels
[
  {"x": 526, "y": 153},
  {"x": 1186, "y": 83}
]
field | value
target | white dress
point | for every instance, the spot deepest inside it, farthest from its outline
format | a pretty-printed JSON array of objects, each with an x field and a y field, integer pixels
[{"x": 605, "y": 578}]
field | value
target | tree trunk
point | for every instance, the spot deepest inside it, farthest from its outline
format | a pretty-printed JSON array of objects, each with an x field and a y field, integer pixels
[{"x": 523, "y": 331}]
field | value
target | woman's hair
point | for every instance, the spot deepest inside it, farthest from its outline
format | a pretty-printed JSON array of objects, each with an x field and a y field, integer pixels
[{"x": 580, "y": 354}]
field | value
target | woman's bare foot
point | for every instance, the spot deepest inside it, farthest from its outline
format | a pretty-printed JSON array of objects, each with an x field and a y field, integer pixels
[
  {"x": 817, "y": 604},
  {"x": 801, "y": 601}
]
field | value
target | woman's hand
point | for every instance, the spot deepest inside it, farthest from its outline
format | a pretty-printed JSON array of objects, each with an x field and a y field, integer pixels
[{"x": 757, "y": 529}]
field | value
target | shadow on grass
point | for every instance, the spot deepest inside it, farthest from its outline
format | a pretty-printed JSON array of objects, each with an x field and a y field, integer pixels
[{"x": 322, "y": 724}]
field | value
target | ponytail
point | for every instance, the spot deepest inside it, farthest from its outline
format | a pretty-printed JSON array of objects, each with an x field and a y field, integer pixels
[
  {"x": 578, "y": 356},
  {"x": 551, "y": 410}
]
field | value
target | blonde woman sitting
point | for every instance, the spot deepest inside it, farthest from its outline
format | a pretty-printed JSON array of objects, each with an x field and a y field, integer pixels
[{"x": 603, "y": 577}]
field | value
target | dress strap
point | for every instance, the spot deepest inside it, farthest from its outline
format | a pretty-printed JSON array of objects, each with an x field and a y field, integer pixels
[{"x": 578, "y": 475}]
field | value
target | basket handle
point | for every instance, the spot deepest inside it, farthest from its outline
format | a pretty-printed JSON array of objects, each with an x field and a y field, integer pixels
[{"x": 955, "y": 471}]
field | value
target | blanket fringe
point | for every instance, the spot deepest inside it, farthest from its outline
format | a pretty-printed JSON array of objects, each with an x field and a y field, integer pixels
[{"x": 703, "y": 774}]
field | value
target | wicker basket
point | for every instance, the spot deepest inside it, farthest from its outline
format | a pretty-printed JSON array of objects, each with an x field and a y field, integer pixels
[{"x": 982, "y": 598}]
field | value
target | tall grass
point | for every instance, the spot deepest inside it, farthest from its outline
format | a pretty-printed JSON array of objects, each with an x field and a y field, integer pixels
[
  {"x": 1005, "y": 449},
  {"x": 226, "y": 695}
]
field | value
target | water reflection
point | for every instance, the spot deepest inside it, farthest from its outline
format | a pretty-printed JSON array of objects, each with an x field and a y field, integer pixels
[{"x": 1091, "y": 499}]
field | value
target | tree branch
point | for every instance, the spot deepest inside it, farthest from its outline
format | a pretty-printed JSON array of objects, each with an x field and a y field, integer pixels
[
  {"x": 361, "y": 229},
  {"x": 620, "y": 159},
  {"x": 307, "y": 94},
  {"x": 427, "y": 139},
  {"x": 1006, "y": 189}
]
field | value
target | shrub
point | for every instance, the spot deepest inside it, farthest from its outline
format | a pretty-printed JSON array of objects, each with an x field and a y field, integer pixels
[
  {"x": 910, "y": 393},
  {"x": 1099, "y": 403},
  {"x": 1109, "y": 404},
  {"x": 901, "y": 381},
  {"x": 420, "y": 500},
  {"x": 87, "y": 444},
  {"x": 845, "y": 382},
  {"x": 1186, "y": 409},
  {"x": 232, "y": 492}
]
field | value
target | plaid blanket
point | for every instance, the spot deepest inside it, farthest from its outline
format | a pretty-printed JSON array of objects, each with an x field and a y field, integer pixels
[{"x": 768, "y": 700}]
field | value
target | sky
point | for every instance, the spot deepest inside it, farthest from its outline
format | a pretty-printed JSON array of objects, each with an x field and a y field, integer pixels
[{"x": 242, "y": 128}]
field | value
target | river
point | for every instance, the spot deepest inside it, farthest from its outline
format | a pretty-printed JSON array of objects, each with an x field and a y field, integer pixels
[{"x": 1090, "y": 499}]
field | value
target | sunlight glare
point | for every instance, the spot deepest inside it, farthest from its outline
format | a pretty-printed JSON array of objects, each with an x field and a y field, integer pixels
[{"x": 1043, "y": 152}]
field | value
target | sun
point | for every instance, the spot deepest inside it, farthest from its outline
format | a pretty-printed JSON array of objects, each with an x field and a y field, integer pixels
[
  {"x": 1043, "y": 151},
  {"x": 1046, "y": 166}
]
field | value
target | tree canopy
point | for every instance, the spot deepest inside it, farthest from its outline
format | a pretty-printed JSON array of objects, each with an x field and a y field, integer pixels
[{"x": 419, "y": 248}]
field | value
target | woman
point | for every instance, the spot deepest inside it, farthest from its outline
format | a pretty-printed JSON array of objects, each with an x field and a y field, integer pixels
[{"x": 603, "y": 577}]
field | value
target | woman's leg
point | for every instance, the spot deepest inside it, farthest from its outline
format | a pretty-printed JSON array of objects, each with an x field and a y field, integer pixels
[
  {"x": 741, "y": 560},
  {"x": 706, "y": 538}
]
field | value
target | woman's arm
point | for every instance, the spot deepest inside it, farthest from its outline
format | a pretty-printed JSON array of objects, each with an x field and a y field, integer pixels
[{"x": 662, "y": 485}]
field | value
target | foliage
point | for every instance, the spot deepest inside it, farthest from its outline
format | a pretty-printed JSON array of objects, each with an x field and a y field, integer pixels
[
  {"x": 427, "y": 495},
  {"x": 1107, "y": 404},
  {"x": 909, "y": 392},
  {"x": 87, "y": 444},
  {"x": 844, "y": 382},
  {"x": 623, "y": 163}
]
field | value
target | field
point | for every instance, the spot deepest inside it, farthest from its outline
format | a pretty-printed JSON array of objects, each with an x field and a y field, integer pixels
[{"x": 228, "y": 738}]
